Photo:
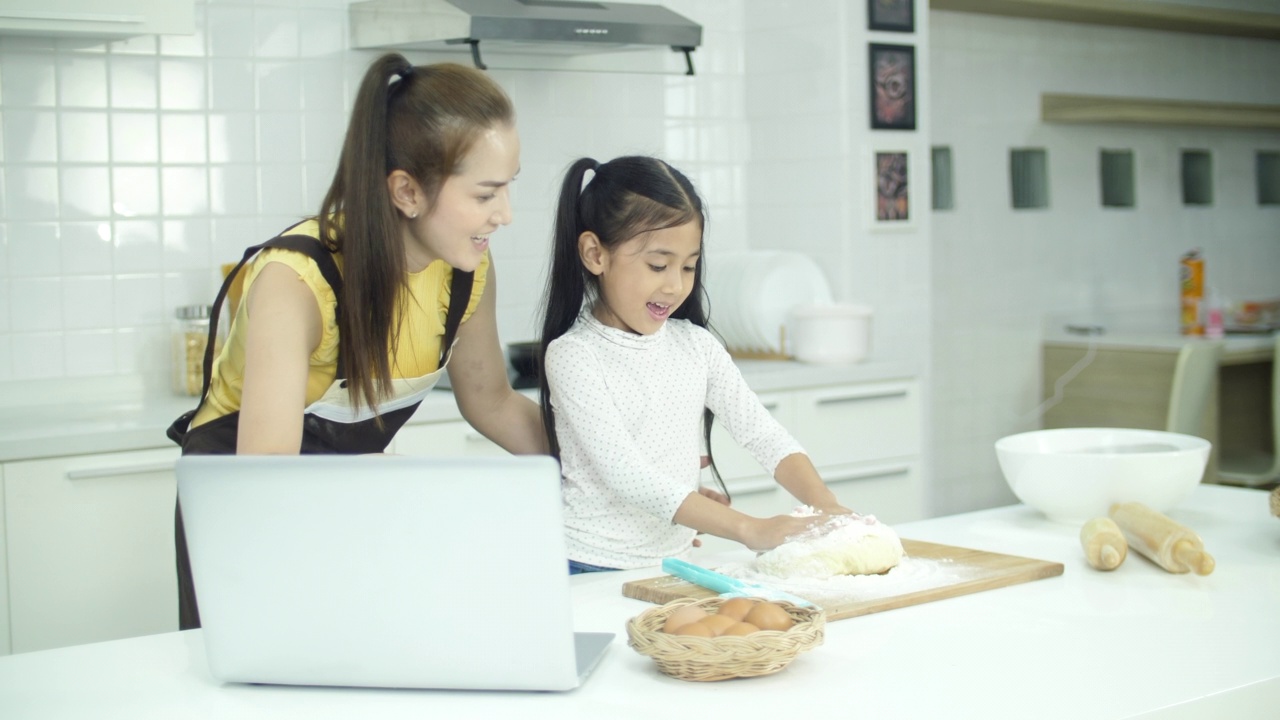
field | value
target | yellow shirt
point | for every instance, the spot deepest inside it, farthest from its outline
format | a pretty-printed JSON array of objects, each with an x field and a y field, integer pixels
[{"x": 421, "y": 324}]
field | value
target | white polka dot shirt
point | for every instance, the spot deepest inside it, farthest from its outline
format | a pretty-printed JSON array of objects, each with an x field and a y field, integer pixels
[{"x": 628, "y": 417}]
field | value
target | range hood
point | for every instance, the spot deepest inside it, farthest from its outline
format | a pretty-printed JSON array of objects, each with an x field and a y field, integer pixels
[{"x": 564, "y": 27}]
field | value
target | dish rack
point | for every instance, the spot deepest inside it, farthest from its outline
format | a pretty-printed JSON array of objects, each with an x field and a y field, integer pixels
[{"x": 751, "y": 293}]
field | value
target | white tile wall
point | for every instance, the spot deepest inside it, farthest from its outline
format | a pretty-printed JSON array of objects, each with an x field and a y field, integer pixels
[
  {"x": 998, "y": 273},
  {"x": 131, "y": 170}
]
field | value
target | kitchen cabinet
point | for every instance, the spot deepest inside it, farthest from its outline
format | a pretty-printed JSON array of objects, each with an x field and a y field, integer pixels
[
  {"x": 97, "y": 18},
  {"x": 1203, "y": 17},
  {"x": 89, "y": 548},
  {"x": 1124, "y": 378},
  {"x": 4, "y": 577},
  {"x": 864, "y": 439},
  {"x": 452, "y": 438}
]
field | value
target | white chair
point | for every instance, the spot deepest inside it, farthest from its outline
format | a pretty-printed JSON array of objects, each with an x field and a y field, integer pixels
[
  {"x": 1194, "y": 378},
  {"x": 1258, "y": 468}
]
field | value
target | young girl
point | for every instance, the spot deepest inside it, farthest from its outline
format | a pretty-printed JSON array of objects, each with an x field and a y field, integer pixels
[
  {"x": 630, "y": 371},
  {"x": 349, "y": 318}
]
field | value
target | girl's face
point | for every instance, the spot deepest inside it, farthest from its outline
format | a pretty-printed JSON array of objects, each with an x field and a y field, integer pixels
[
  {"x": 472, "y": 204},
  {"x": 645, "y": 279}
]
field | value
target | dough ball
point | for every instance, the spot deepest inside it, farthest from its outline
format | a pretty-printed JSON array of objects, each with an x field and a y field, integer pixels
[{"x": 845, "y": 545}]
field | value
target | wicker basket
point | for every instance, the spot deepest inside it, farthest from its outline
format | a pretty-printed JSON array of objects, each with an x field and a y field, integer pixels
[{"x": 720, "y": 658}]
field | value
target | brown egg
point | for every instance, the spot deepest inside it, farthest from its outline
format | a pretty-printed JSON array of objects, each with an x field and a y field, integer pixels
[
  {"x": 737, "y": 608},
  {"x": 768, "y": 616},
  {"x": 742, "y": 628},
  {"x": 683, "y": 616},
  {"x": 696, "y": 629},
  {"x": 717, "y": 623}
]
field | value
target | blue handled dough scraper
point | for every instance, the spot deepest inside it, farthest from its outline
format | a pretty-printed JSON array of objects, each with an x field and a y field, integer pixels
[{"x": 725, "y": 585}]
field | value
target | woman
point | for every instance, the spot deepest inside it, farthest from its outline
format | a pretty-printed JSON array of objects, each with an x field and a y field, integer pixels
[{"x": 348, "y": 319}]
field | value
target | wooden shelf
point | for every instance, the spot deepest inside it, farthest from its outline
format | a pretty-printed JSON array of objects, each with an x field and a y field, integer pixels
[
  {"x": 1099, "y": 109},
  {"x": 1149, "y": 14}
]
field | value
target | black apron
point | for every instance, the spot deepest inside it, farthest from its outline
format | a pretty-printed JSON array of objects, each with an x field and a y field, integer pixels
[{"x": 329, "y": 425}]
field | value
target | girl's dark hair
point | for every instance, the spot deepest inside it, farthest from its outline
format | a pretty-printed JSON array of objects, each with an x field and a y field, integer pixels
[
  {"x": 419, "y": 119},
  {"x": 626, "y": 197}
]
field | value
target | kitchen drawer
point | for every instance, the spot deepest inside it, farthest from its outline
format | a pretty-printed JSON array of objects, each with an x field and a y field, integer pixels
[
  {"x": 857, "y": 423},
  {"x": 90, "y": 548},
  {"x": 443, "y": 439},
  {"x": 732, "y": 460},
  {"x": 892, "y": 491}
]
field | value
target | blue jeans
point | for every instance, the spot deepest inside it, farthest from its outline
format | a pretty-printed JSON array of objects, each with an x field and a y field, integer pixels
[{"x": 577, "y": 568}]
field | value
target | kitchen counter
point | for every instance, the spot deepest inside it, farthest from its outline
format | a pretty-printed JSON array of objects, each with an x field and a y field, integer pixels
[
  {"x": 115, "y": 424},
  {"x": 1237, "y": 348},
  {"x": 1136, "y": 642},
  {"x": 1124, "y": 378}
]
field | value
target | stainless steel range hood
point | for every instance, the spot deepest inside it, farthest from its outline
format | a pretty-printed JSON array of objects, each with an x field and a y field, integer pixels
[{"x": 563, "y": 27}]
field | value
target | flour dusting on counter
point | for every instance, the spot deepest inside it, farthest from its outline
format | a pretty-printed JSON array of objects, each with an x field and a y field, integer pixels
[{"x": 911, "y": 575}]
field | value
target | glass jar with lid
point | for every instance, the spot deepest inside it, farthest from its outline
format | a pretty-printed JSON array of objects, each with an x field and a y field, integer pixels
[{"x": 190, "y": 337}]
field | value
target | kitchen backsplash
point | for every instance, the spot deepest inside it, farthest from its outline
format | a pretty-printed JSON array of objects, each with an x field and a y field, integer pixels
[{"x": 131, "y": 170}]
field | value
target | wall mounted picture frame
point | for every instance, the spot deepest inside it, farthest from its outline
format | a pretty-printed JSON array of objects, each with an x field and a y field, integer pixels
[
  {"x": 892, "y": 77},
  {"x": 892, "y": 189},
  {"x": 891, "y": 15}
]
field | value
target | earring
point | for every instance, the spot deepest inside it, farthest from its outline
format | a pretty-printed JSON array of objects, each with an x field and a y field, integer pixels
[{"x": 413, "y": 215}]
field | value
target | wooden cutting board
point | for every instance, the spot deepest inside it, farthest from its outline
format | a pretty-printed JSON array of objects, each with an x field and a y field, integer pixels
[{"x": 970, "y": 571}]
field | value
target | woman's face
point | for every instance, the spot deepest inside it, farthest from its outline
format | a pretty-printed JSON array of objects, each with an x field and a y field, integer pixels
[
  {"x": 647, "y": 278},
  {"x": 472, "y": 203}
]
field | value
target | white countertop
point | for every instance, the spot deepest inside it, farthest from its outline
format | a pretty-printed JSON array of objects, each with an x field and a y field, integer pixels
[
  {"x": 1136, "y": 642},
  {"x": 115, "y": 424},
  {"x": 1233, "y": 343}
]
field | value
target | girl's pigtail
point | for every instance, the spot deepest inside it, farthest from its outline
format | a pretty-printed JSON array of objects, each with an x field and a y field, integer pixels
[{"x": 566, "y": 286}]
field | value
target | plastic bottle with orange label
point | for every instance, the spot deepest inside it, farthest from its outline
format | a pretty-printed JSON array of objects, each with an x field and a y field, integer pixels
[{"x": 1191, "y": 284}]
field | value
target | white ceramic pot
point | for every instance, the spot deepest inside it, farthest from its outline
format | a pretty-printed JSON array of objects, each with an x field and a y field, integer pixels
[{"x": 839, "y": 333}]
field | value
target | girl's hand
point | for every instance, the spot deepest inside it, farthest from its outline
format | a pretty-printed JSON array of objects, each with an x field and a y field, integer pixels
[
  {"x": 767, "y": 533},
  {"x": 714, "y": 495}
]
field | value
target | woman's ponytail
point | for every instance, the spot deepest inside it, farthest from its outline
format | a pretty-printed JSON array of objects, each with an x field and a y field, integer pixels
[{"x": 419, "y": 120}]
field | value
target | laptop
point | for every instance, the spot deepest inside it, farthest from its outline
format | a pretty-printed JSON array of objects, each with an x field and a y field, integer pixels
[{"x": 384, "y": 571}]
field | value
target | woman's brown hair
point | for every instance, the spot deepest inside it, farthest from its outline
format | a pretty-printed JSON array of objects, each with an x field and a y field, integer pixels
[{"x": 420, "y": 119}]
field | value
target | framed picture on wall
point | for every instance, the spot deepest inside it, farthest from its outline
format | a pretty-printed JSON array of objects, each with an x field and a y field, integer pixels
[
  {"x": 892, "y": 189},
  {"x": 893, "y": 86},
  {"x": 891, "y": 15}
]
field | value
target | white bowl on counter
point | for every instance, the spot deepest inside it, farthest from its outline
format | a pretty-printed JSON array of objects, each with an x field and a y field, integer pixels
[
  {"x": 829, "y": 333},
  {"x": 1075, "y": 474}
]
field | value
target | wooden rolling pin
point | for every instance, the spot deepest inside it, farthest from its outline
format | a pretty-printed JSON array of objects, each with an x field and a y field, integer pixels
[
  {"x": 1161, "y": 539},
  {"x": 1104, "y": 545}
]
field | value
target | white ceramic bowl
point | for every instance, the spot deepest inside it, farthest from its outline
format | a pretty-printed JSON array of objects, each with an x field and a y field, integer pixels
[
  {"x": 1075, "y": 474},
  {"x": 830, "y": 333}
]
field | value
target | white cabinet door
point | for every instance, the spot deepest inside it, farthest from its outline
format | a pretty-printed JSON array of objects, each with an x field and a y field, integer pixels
[
  {"x": 97, "y": 18},
  {"x": 856, "y": 423},
  {"x": 90, "y": 548},
  {"x": 889, "y": 490},
  {"x": 444, "y": 439},
  {"x": 4, "y": 576}
]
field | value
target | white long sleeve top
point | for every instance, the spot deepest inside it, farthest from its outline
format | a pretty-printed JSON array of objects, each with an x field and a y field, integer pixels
[{"x": 628, "y": 418}]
